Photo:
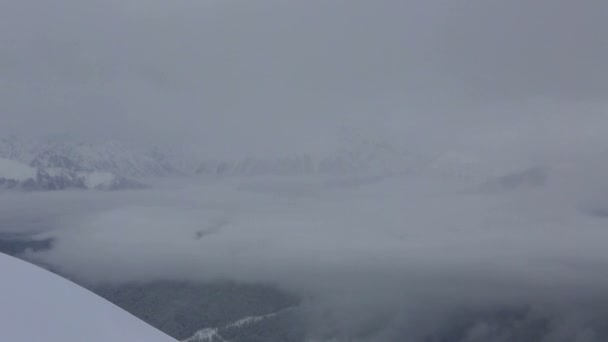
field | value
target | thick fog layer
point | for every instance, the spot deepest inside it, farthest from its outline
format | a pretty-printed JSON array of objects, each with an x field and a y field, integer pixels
[
  {"x": 499, "y": 214},
  {"x": 225, "y": 77},
  {"x": 376, "y": 259}
]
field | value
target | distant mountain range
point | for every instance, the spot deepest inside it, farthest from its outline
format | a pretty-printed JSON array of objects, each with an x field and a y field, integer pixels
[
  {"x": 63, "y": 165},
  {"x": 16, "y": 175},
  {"x": 58, "y": 165}
]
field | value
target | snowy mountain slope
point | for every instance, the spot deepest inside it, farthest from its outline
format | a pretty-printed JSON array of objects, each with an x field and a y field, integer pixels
[
  {"x": 14, "y": 170},
  {"x": 60, "y": 179},
  {"x": 52, "y": 159},
  {"x": 14, "y": 149},
  {"x": 36, "y": 305},
  {"x": 111, "y": 157},
  {"x": 14, "y": 174},
  {"x": 108, "y": 157},
  {"x": 66, "y": 165},
  {"x": 17, "y": 175}
]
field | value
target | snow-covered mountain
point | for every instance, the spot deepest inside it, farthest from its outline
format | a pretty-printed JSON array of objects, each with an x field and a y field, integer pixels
[
  {"x": 112, "y": 165},
  {"x": 17, "y": 175},
  {"x": 17, "y": 171},
  {"x": 14, "y": 174},
  {"x": 63, "y": 165},
  {"x": 110, "y": 156},
  {"x": 107, "y": 157},
  {"x": 36, "y": 305},
  {"x": 16, "y": 149}
]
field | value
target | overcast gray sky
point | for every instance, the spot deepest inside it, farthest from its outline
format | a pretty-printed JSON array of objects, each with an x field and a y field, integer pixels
[{"x": 286, "y": 75}]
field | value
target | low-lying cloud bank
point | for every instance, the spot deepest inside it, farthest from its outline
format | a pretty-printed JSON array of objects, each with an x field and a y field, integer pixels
[{"x": 403, "y": 257}]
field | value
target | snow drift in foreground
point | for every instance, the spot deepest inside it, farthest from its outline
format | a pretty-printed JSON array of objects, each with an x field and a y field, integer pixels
[{"x": 36, "y": 305}]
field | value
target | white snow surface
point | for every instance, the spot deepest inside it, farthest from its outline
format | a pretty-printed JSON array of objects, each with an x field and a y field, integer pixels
[
  {"x": 99, "y": 180},
  {"x": 206, "y": 335},
  {"x": 36, "y": 305},
  {"x": 212, "y": 334},
  {"x": 10, "y": 169}
]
